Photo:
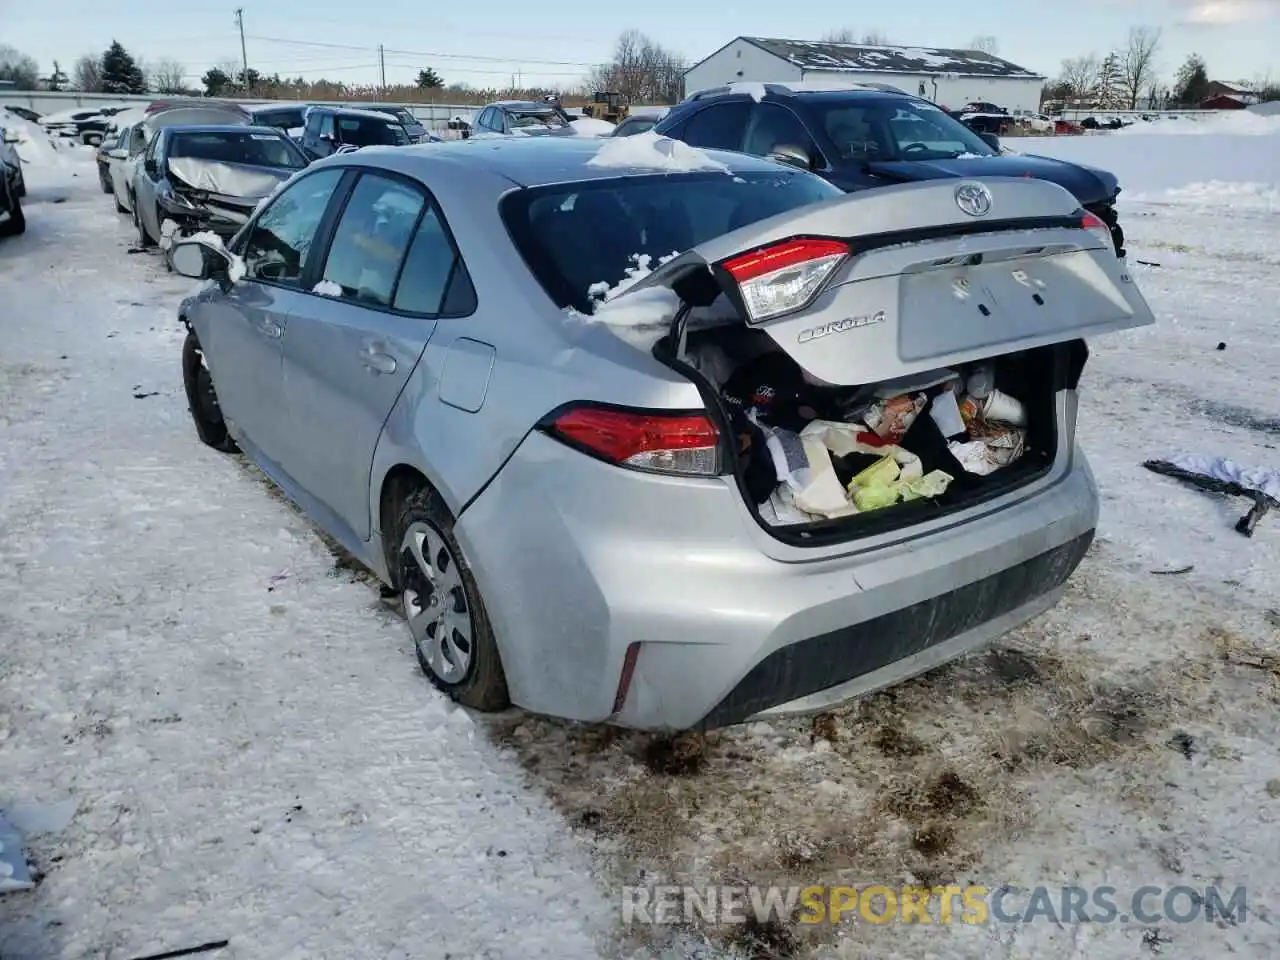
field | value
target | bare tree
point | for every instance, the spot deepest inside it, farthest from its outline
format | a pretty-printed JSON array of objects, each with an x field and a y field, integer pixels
[
  {"x": 86, "y": 75},
  {"x": 985, "y": 43},
  {"x": 870, "y": 38},
  {"x": 18, "y": 68},
  {"x": 1079, "y": 77},
  {"x": 1138, "y": 62},
  {"x": 168, "y": 76},
  {"x": 642, "y": 70}
]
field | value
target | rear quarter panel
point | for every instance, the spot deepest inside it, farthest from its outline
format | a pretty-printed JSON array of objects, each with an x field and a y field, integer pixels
[{"x": 541, "y": 359}]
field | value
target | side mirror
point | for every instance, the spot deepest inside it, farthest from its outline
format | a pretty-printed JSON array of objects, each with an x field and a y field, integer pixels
[
  {"x": 191, "y": 258},
  {"x": 10, "y": 136},
  {"x": 991, "y": 140},
  {"x": 792, "y": 156}
]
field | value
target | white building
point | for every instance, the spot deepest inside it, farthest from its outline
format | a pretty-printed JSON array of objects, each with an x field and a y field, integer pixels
[{"x": 950, "y": 78}]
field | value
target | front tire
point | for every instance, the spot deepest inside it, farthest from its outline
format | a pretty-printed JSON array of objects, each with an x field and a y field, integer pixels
[
  {"x": 447, "y": 619},
  {"x": 202, "y": 399},
  {"x": 17, "y": 222},
  {"x": 104, "y": 179}
]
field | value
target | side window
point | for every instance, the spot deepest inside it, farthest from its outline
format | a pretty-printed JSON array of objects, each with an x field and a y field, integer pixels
[
  {"x": 277, "y": 246},
  {"x": 137, "y": 140},
  {"x": 434, "y": 279},
  {"x": 313, "y": 125},
  {"x": 326, "y": 125},
  {"x": 720, "y": 127},
  {"x": 483, "y": 120},
  {"x": 776, "y": 126},
  {"x": 371, "y": 239}
]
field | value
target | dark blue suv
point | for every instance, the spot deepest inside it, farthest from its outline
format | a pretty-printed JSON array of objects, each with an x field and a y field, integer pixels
[{"x": 861, "y": 137}]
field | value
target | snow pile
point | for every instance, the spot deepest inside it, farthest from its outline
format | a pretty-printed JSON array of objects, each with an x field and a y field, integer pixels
[
  {"x": 1225, "y": 193},
  {"x": 1230, "y": 122},
  {"x": 34, "y": 146},
  {"x": 591, "y": 127},
  {"x": 1245, "y": 151},
  {"x": 650, "y": 151},
  {"x": 327, "y": 288},
  {"x": 755, "y": 90}
]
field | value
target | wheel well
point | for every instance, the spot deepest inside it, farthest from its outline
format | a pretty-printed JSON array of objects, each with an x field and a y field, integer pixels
[{"x": 400, "y": 483}]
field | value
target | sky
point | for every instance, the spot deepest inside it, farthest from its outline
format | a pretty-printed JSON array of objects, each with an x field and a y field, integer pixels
[{"x": 533, "y": 44}]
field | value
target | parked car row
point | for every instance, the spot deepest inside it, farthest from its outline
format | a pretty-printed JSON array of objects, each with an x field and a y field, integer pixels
[
  {"x": 183, "y": 166},
  {"x": 399, "y": 339},
  {"x": 13, "y": 185}
]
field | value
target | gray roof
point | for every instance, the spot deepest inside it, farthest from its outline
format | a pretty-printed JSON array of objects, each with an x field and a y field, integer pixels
[
  {"x": 874, "y": 59},
  {"x": 533, "y": 161}
]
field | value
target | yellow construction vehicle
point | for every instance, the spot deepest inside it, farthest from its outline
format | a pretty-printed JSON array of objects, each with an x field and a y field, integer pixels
[{"x": 607, "y": 106}]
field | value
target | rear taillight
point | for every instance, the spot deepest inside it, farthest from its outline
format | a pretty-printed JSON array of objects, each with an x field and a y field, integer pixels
[
  {"x": 678, "y": 443},
  {"x": 784, "y": 276},
  {"x": 1097, "y": 226}
]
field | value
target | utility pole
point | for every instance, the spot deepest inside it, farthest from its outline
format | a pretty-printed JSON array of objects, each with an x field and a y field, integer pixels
[
  {"x": 382, "y": 63},
  {"x": 244, "y": 54}
]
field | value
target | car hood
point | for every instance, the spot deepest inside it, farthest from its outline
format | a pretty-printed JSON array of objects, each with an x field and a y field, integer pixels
[
  {"x": 228, "y": 180},
  {"x": 1086, "y": 184}
]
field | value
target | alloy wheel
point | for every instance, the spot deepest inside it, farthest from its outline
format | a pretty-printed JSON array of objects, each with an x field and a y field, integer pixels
[{"x": 435, "y": 603}]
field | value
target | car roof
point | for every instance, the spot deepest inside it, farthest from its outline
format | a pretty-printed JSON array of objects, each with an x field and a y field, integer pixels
[
  {"x": 535, "y": 161},
  {"x": 356, "y": 112},
  {"x": 524, "y": 105},
  {"x": 220, "y": 128},
  {"x": 802, "y": 89}
]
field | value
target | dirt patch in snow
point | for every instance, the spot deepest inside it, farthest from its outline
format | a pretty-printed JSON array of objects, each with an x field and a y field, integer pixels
[{"x": 909, "y": 786}]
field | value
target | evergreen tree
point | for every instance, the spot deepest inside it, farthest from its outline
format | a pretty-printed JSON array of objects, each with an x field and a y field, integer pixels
[
  {"x": 1192, "y": 83},
  {"x": 215, "y": 81},
  {"x": 120, "y": 72},
  {"x": 428, "y": 79}
]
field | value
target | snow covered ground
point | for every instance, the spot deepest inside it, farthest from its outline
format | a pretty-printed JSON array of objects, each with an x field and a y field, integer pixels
[{"x": 212, "y": 729}]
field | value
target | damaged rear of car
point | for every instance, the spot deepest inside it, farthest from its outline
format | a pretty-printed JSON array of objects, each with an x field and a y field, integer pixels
[
  {"x": 877, "y": 471},
  {"x": 198, "y": 179}
]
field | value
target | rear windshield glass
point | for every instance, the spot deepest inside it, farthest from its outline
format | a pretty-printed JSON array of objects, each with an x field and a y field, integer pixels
[
  {"x": 574, "y": 236},
  {"x": 523, "y": 119},
  {"x": 260, "y": 149},
  {"x": 367, "y": 132}
]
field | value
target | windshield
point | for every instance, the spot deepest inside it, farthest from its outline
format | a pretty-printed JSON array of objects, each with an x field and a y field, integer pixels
[
  {"x": 524, "y": 119},
  {"x": 891, "y": 128},
  {"x": 368, "y": 132},
  {"x": 575, "y": 236},
  {"x": 259, "y": 149}
]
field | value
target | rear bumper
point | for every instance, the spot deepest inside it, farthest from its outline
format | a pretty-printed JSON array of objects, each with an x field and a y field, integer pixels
[{"x": 578, "y": 560}]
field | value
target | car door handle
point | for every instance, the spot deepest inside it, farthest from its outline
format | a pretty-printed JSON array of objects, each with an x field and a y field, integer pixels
[
  {"x": 377, "y": 361},
  {"x": 270, "y": 328}
]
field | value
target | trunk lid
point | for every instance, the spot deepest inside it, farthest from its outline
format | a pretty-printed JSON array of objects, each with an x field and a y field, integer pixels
[{"x": 925, "y": 284}]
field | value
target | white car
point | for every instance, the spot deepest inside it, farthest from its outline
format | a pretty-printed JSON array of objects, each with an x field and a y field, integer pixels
[
  {"x": 1039, "y": 123},
  {"x": 122, "y": 161}
]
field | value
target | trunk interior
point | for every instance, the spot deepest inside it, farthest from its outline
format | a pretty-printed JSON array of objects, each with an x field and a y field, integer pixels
[{"x": 758, "y": 392}]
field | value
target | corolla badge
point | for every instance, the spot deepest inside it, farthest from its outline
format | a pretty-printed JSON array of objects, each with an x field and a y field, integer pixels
[
  {"x": 973, "y": 199},
  {"x": 840, "y": 326}
]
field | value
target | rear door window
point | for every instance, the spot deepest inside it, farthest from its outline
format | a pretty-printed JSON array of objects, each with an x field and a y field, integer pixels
[
  {"x": 371, "y": 239},
  {"x": 720, "y": 126},
  {"x": 434, "y": 280},
  {"x": 277, "y": 246}
]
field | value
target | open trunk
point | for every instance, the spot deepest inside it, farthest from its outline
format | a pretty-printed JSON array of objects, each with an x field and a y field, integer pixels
[{"x": 947, "y": 325}]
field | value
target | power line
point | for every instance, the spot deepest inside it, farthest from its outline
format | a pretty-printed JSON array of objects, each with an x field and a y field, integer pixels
[{"x": 426, "y": 53}]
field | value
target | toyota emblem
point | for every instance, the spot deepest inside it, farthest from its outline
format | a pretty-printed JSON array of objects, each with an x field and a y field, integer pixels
[{"x": 974, "y": 199}]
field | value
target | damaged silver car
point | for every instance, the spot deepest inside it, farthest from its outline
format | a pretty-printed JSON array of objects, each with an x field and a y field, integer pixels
[{"x": 194, "y": 179}]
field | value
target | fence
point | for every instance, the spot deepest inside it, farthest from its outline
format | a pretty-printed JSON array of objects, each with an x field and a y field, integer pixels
[{"x": 44, "y": 101}]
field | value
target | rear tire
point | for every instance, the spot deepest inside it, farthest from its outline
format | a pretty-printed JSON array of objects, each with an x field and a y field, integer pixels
[
  {"x": 447, "y": 619},
  {"x": 120, "y": 207},
  {"x": 202, "y": 399}
]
